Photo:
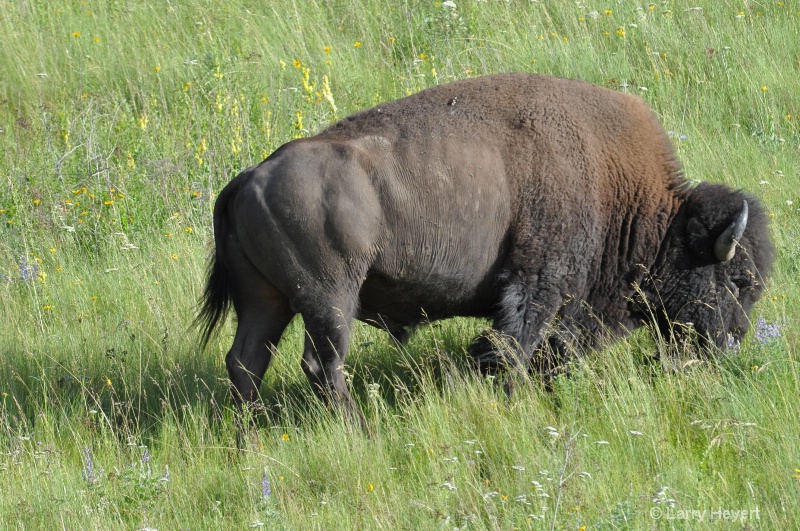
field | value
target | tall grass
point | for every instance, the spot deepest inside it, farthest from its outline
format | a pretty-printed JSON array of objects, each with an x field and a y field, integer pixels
[{"x": 120, "y": 121}]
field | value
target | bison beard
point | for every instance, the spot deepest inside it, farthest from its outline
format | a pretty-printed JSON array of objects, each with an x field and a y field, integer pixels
[{"x": 554, "y": 207}]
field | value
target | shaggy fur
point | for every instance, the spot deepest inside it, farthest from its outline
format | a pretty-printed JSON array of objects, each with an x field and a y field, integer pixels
[{"x": 554, "y": 207}]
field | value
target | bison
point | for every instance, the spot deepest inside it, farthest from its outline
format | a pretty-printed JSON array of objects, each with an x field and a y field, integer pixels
[{"x": 556, "y": 208}]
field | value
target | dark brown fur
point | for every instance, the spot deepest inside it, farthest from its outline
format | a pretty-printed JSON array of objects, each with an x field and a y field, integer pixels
[{"x": 554, "y": 207}]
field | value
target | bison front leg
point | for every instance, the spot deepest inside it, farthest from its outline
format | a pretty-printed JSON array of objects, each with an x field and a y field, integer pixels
[
  {"x": 550, "y": 359},
  {"x": 327, "y": 339},
  {"x": 520, "y": 325}
]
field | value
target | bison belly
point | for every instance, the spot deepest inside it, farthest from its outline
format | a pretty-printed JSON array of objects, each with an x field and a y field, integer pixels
[{"x": 446, "y": 209}]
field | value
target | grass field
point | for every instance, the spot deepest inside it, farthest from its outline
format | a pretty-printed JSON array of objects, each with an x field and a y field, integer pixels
[{"x": 120, "y": 121}]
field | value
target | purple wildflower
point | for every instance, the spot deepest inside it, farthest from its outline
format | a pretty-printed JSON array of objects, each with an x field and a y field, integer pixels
[
  {"x": 146, "y": 456},
  {"x": 27, "y": 272},
  {"x": 733, "y": 344},
  {"x": 88, "y": 466},
  {"x": 266, "y": 491},
  {"x": 766, "y": 332}
]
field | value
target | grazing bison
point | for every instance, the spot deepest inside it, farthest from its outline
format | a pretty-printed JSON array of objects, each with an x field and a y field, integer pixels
[{"x": 554, "y": 207}]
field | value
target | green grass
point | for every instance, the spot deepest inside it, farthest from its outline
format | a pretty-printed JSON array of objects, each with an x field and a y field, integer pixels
[{"x": 120, "y": 121}]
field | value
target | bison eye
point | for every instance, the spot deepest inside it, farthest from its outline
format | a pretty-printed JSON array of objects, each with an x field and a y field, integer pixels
[{"x": 741, "y": 282}]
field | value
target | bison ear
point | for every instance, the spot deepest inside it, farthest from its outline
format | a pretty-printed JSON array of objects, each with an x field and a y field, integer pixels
[
  {"x": 697, "y": 236},
  {"x": 723, "y": 248}
]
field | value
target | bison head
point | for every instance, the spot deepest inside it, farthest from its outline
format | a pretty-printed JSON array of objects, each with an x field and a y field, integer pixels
[{"x": 712, "y": 266}]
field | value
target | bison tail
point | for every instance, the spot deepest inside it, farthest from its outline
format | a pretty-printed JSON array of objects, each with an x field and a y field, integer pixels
[{"x": 216, "y": 299}]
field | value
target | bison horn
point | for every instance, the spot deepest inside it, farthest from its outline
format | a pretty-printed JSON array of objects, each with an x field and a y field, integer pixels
[{"x": 725, "y": 246}]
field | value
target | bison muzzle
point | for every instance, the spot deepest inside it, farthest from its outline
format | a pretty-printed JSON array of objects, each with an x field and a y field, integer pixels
[{"x": 554, "y": 207}]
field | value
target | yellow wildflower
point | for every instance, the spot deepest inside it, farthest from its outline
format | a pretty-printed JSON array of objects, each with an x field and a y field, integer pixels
[{"x": 327, "y": 94}]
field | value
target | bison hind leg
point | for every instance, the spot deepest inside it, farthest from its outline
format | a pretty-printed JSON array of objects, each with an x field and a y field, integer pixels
[
  {"x": 262, "y": 316},
  {"x": 401, "y": 334},
  {"x": 327, "y": 340}
]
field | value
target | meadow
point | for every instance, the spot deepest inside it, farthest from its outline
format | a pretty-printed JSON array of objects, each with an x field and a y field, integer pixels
[{"x": 121, "y": 120}]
